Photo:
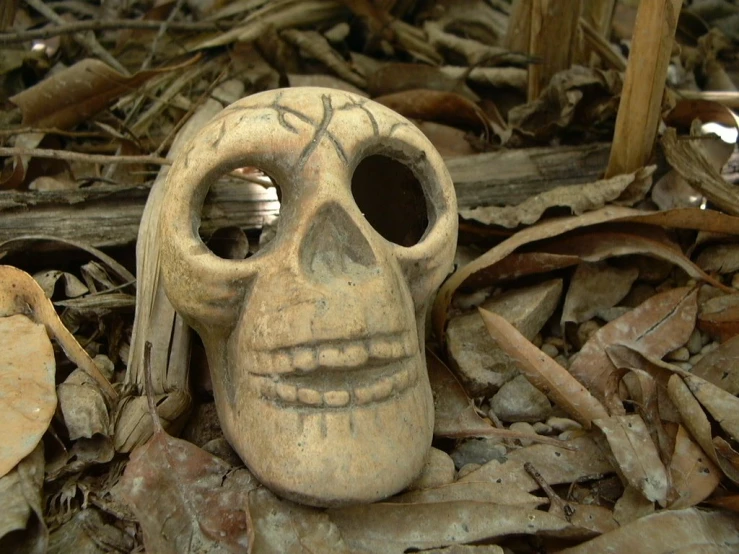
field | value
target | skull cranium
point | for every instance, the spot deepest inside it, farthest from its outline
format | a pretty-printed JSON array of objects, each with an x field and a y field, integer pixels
[{"x": 316, "y": 344}]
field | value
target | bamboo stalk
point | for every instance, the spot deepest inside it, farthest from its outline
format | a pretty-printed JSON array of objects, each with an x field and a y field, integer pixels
[{"x": 644, "y": 84}]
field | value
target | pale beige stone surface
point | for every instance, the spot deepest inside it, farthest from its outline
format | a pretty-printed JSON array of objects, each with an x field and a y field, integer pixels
[{"x": 315, "y": 344}]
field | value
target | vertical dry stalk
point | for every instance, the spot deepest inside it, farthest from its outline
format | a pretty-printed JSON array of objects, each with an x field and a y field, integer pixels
[
  {"x": 519, "y": 26},
  {"x": 553, "y": 37},
  {"x": 598, "y": 17},
  {"x": 644, "y": 84}
]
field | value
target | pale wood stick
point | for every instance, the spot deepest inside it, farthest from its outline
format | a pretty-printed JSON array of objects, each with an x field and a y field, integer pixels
[{"x": 644, "y": 84}]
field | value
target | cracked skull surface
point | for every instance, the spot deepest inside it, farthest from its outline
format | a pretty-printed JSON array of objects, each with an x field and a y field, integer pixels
[{"x": 316, "y": 343}]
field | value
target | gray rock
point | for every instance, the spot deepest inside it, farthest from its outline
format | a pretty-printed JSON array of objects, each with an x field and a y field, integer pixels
[
  {"x": 478, "y": 451},
  {"x": 481, "y": 365},
  {"x": 519, "y": 400}
]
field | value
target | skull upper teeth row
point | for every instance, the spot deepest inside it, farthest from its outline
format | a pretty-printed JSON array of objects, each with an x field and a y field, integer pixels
[
  {"x": 340, "y": 355},
  {"x": 401, "y": 379}
]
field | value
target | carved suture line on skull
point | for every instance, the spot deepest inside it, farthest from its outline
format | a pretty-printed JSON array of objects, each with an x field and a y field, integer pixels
[
  {"x": 221, "y": 134},
  {"x": 351, "y": 104},
  {"x": 328, "y": 114},
  {"x": 396, "y": 126},
  {"x": 187, "y": 156}
]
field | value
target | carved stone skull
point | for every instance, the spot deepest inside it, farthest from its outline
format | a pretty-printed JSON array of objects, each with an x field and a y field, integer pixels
[{"x": 316, "y": 343}]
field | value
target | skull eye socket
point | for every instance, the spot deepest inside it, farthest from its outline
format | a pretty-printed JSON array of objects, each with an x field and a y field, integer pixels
[
  {"x": 236, "y": 243},
  {"x": 391, "y": 198}
]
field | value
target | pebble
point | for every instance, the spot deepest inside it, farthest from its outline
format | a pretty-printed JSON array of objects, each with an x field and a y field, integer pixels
[
  {"x": 542, "y": 428},
  {"x": 557, "y": 342},
  {"x": 563, "y": 361},
  {"x": 687, "y": 366},
  {"x": 478, "y": 451},
  {"x": 519, "y": 400},
  {"x": 710, "y": 347},
  {"x": 681, "y": 354},
  {"x": 695, "y": 359},
  {"x": 550, "y": 350},
  {"x": 438, "y": 471},
  {"x": 563, "y": 424},
  {"x": 467, "y": 469},
  {"x": 537, "y": 340},
  {"x": 571, "y": 434},
  {"x": 695, "y": 342},
  {"x": 735, "y": 281},
  {"x": 523, "y": 427}
]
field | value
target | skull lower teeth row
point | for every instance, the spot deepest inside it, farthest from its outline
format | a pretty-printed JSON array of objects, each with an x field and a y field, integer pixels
[
  {"x": 382, "y": 389},
  {"x": 339, "y": 354}
]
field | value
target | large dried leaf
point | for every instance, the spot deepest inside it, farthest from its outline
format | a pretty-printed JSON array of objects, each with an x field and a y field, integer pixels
[
  {"x": 720, "y": 317},
  {"x": 185, "y": 499},
  {"x": 22, "y": 526},
  {"x": 636, "y": 455},
  {"x": 723, "y": 406},
  {"x": 668, "y": 532},
  {"x": 719, "y": 366},
  {"x": 658, "y": 326},
  {"x": 79, "y": 92},
  {"x": 693, "y": 475},
  {"x": 27, "y": 388},
  {"x": 697, "y": 423},
  {"x": 556, "y": 465},
  {"x": 494, "y": 493},
  {"x": 684, "y": 218},
  {"x": 544, "y": 373},
  {"x": 387, "y": 528},
  {"x": 595, "y": 287},
  {"x": 282, "y": 527},
  {"x": 578, "y": 198}
]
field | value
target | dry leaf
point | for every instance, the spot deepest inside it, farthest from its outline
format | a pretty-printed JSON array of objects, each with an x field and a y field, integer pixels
[
  {"x": 595, "y": 287},
  {"x": 27, "y": 387},
  {"x": 544, "y": 373},
  {"x": 697, "y": 423},
  {"x": 314, "y": 45},
  {"x": 723, "y": 406},
  {"x": 494, "y": 493},
  {"x": 395, "y": 528},
  {"x": 578, "y": 198},
  {"x": 556, "y": 465},
  {"x": 79, "y": 92},
  {"x": 442, "y": 107},
  {"x": 658, "y": 326},
  {"x": 185, "y": 499},
  {"x": 22, "y": 526},
  {"x": 667, "y": 532},
  {"x": 636, "y": 455},
  {"x": 719, "y": 317},
  {"x": 397, "y": 77},
  {"x": 283, "y": 527},
  {"x": 719, "y": 366},
  {"x": 693, "y": 475}
]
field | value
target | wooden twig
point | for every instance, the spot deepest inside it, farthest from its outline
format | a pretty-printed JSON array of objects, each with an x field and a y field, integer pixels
[
  {"x": 641, "y": 100},
  {"x": 108, "y": 25},
  {"x": 89, "y": 42},
  {"x": 81, "y": 157},
  {"x": 727, "y": 98},
  {"x": 160, "y": 33}
]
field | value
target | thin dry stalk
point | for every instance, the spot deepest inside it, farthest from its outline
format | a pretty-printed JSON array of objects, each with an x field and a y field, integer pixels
[{"x": 644, "y": 85}]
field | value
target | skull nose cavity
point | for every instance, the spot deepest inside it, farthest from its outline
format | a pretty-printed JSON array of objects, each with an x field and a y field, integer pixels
[{"x": 335, "y": 246}]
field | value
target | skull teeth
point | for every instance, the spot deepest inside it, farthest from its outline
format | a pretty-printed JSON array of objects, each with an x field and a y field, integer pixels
[
  {"x": 335, "y": 355},
  {"x": 276, "y": 389}
]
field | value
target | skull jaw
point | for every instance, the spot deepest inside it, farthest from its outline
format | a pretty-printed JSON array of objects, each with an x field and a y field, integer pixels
[{"x": 332, "y": 457}]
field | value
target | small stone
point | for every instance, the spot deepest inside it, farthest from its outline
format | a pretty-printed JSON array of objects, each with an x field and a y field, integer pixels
[
  {"x": 478, "y": 451},
  {"x": 571, "y": 434},
  {"x": 679, "y": 355},
  {"x": 710, "y": 347},
  {"x": 563, "y": 424},
  {"x": 695, "y": 359},
  {"x": 550, "y": 350},
  {"x": 542, "y": 428},
  {"x": 684, "y": 366},
  {"x": 537, "y": 340},
  {"x": 523, "y": 427},
  {"x": 476, "y": 357},
  {"x": 557, "y": 342},
  {"x": 584, "y": 331},
  {"x": 519, "y": 400},
  {"x": 705, "y": 338},
  {"x": 695, "y": 343},
  {"x": 467, "y": 469},
  {"x": 735, "y": 281},
  {"x": 563, "y": 361},
  {"x": 438, "y": 471}
]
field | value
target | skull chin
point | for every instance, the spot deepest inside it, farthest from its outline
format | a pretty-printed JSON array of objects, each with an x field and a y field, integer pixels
[{"x": 336, "y": 434}]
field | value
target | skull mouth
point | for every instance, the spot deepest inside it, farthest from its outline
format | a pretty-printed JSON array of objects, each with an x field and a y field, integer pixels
[{"x": 339, "y": 374}]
